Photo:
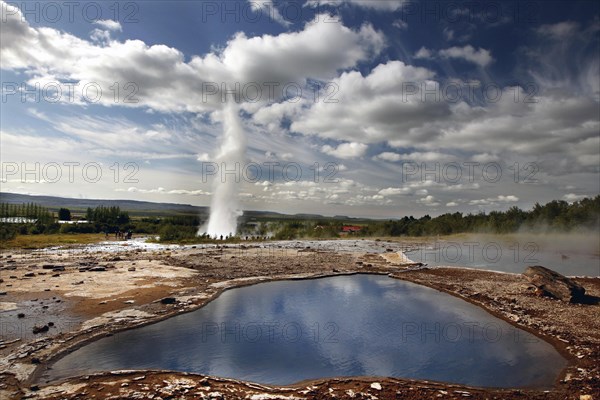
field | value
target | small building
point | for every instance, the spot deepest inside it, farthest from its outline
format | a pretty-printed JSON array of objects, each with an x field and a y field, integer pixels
[{"x": 350, "y": 229}]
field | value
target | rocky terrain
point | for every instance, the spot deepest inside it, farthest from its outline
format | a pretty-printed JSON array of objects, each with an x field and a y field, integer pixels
[{"x": 55, "y": 301}]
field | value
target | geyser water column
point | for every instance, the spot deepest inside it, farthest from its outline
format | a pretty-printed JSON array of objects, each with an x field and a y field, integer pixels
[{"x": 224, "y": 206}]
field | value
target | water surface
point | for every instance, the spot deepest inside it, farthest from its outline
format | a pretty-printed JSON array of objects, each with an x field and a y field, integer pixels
[
  {"x": 570, "y": 255},
  {"x": 361, "y": 325}
]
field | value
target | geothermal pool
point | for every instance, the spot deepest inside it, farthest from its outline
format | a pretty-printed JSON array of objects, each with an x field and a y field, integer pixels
[
  {"x": 507, "y": 256},
  {"x": 361, "y": 325}
]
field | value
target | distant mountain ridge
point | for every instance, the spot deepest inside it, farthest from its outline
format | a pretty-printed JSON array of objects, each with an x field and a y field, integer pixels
[
  {"x": 137, "y": 207},
  {"x": 133, "y": 206}
]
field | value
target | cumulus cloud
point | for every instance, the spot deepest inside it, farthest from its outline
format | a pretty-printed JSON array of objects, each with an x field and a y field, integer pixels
[
  {"x": 429, "y": 201},
  {"x": 292, "y": 57},
  {"x": 346, "y": 150},
  {"x": 394, "y": 191},
  {"x": 389, "y": 156},
  {"x": 500, "y": 199},
  {"x": 572, "y": 197},
  {"x": 424, "y": 52},
  {"x": 110, "y": 25},
  {"x": 481, "y": 57},
  {"x": 269, "y": 8},
  {"x": 371, "y": 108},
  {"x": 379, "y": 5}
]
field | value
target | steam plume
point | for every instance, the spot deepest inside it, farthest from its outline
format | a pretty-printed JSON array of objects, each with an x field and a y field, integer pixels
[{"x": 225, "y": 207}]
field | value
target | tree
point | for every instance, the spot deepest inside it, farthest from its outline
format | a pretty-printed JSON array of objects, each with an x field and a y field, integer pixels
[{"x": 64, "y": 214}]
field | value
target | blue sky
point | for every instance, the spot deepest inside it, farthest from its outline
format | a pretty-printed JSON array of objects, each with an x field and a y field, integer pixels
[{"x": 391, "y": 107}]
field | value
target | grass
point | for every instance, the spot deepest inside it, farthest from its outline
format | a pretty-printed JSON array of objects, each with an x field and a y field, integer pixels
[{"x": 58, "y": 239}]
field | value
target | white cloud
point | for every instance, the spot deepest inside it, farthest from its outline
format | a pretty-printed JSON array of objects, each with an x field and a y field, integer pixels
[
  {"x": 494, "y": 200},
  {"x": 110, "y": 25},
  {"x": 424, "y": 52},
  {"x": 371, "y": 109},
  {"x": 48, "y": 54},
  {"x": 394, "y": 191},
  {"x": 267, "y": 7},
  {"x": 161, "y": 190},
  {"x": 429, "y": 201},
  {"x": 481, "y": 57},
  {"x": 204, "y": 157},
  {"x": 448, "y": 34},
  {"x": 572, "y": 197},
  {"x": 508, "y": 199},
  {"x": 485, "y": 158},
  {"x": 558, "y": 31},
  {"x": 389, "y": 156},
  {"x": 400, "y": 24},
  {"x": 452, "y": 204},
  {"x": 379, "y": 5},
  {"x": 346, "y": 150}
]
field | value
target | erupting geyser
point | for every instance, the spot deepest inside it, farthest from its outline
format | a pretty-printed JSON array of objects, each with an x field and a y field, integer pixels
[{"x": 224, "y": 206}]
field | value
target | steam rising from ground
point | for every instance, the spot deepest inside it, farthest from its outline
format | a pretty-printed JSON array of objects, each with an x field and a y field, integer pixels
[{"x": 225, "y": 207}]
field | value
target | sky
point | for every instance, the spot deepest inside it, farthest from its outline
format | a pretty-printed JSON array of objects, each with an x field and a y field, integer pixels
[{"x": 361, "y": 108}]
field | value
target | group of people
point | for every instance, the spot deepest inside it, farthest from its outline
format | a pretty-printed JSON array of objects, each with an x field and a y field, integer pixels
[{"x": 121, "y": 235}]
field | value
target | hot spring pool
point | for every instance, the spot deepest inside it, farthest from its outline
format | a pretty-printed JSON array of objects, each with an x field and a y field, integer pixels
[{"x": 361, "y": 325}]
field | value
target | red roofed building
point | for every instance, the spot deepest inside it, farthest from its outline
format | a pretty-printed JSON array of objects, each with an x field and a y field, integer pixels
[{"x": 351, "y": 229}]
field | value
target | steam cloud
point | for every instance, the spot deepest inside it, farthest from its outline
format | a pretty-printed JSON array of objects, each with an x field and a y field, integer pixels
[{"x": 225, "y": 207}]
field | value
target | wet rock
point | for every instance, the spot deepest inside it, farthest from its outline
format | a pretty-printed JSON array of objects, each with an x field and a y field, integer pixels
[
  {"x": 29, "y": 274},
  {"x": 552, "y": 284},
  {"x": 131, "y": 269},
  {"x": 168, "y": 300},
  {"x": 48, "y": 266},
  {"x": 3, "y": 293},
  {"x": 20, "y": 315},
  {"x": 35, "y": 360},
  {"x": 40, "y": 329},
  {"x": 58, "y": 268}
]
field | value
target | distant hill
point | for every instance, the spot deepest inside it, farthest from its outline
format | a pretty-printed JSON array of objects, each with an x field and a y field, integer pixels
[
  {"x": 132, "y": 206},
  {"x": 138, "y": 208}
]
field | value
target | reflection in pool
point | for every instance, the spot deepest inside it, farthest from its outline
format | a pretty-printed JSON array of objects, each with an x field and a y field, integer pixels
[{"x": 287, "y": 331}]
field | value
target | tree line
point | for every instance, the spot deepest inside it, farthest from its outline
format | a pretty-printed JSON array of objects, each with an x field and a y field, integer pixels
[{"x": 556, "y": 215}]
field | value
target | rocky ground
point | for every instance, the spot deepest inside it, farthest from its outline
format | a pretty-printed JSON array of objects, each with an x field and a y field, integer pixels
[{"x": 69, "y": 298}]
